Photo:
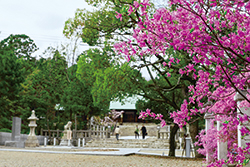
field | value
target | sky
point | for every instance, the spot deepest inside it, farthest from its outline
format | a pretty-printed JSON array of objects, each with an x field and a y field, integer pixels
[{"x": 43, "y": 21}]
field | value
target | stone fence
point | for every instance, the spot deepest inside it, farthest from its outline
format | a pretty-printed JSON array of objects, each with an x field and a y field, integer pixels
[
  {"x": 5, "y": 136},
  {"x": 94, "y": 132},
  {"x": 166, "y": 135}
]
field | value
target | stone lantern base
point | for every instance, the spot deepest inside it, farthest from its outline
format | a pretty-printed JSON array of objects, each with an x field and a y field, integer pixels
[{"x": 31, "y": 142}]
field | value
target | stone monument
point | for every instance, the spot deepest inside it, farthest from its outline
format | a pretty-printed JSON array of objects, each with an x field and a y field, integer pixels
[
  {"x": 32, "y": 139},
  {"x": 67, "y": 133},
  {"x": 15, "y": 135}
]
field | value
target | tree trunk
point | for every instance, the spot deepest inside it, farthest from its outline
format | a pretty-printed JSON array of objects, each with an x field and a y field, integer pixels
[
  {"x": 193, "y": 134},
  {"x": 85, "y": 125},
  {"x": 70, "y": 116},
  {"x": 173, "y": 131},
  {"x": 49, "y": 132}
]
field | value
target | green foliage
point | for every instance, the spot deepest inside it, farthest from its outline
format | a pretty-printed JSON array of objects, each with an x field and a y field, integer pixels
[
  {"x": 10, "y": 79},
  {"x": 43, "y": 88},
  {"x": 97, "y": 26},
  {"x": 77, "y": 98},
  {"x": 5, "y": 130}
]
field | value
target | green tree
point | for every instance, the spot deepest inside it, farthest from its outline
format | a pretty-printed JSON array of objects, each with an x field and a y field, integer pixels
[
  {"x": 16, "y": 61},
  {"x": 44, "y": 87},
  {"x": 77, "y": 99}
]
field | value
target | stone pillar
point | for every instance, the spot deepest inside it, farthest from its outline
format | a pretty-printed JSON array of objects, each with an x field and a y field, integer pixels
[
  {"x": 97, "y": 133},
  {"x": 208, "y": 118},
  {"x": 168, "y": 130},
  {"x": 222, "y": 147},
  {"x": 188, "y": 144},
  {"x": 83, "y": 142},
  {"x": 32, "y": 139},
  {"x": 15, "y": 135},
  {"x": 246, "y": 139},
  {"x": 16, "y": 129},
  {"x": 79, "y": 142},
  {"x": 54, "y": 141},
  {"x": 45, "y": 142},
  {"x": 158, "y": 132},
  {"x": 103, "y": 129},
  {"x": 108, "y": 132}
]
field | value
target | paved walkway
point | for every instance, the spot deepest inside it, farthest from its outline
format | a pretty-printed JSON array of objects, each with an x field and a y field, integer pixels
[
  {"x": 29, "y": 159},
  {"x": 96, "y": 150},
  {"x": 93, "y": 151}
]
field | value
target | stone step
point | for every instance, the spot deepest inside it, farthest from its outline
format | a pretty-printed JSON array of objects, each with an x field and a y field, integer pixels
[{"x": 113, "y": 143}]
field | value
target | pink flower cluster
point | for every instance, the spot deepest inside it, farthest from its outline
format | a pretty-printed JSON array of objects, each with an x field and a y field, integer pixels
[
  {"x": 216, "y": 36},
  {"x": 148, "y": 113}
]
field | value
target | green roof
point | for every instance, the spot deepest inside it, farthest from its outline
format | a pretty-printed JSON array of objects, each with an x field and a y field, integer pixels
[{"x": 129, "y": 103}]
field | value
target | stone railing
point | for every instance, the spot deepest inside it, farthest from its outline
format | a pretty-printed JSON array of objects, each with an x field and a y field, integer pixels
[
  {"x": 51, "y": 134},
  {"x": 90, "y": 134},
  {"x": 94, "y": 132},
  {"x": 166, "y": 135}
]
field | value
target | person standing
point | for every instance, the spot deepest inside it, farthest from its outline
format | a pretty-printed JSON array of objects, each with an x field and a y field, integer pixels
[
  {"x": 144, "y": 131},
  {"x": 117, "y": 132},
  {"x": 136, "y": 131}
]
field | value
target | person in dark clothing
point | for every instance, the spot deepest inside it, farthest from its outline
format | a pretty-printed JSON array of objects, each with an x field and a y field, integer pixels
[{"x": 144, "y": 131}]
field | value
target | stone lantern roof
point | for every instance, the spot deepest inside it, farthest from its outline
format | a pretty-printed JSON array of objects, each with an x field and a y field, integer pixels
[{"x": 33, "y": 116}]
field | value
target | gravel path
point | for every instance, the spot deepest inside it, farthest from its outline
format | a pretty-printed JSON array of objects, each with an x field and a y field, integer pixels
[{"x": 21, "y": 159}]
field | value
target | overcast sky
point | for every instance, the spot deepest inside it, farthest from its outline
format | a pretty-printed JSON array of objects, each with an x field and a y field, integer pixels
[{"x": 43, "y": 21}]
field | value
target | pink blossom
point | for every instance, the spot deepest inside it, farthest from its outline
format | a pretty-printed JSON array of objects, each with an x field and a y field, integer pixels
[
  {"x": 136, "y": 4},
  {"x": 119, "y": 15},
  {"x": 130, "y": 10}
]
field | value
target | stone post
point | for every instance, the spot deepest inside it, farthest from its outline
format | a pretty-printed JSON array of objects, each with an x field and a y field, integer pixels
[
  {"x": 222, "y": 147},
  {"x": 108, "y": 132},
  {"x": 208, "y": 117},
  {"x": 97, "y": 133},
  {"x": 16, "y": 129},
  {"x": 158, "y": 132},
  {"x": 94, "y": 134},
  {"x": 168, "y": 130},
  {"x": 15, "y": 135},
  {"x": 83, "y": 142},
  {"x": 32, "y": 139},
  {"x": 69, "y": 144},
  {"x": 188, "y": 144},
  {"x": 79, "y": 142},
  {"x": 45, "y": 142},
  {"x": 103, "y": 129},
  {"x": 242, "y": 110}
]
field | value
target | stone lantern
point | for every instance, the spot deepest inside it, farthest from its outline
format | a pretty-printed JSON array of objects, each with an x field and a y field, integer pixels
[{"x": 32, "y": 139}]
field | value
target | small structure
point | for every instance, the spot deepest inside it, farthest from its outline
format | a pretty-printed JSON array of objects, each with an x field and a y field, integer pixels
[
  {"x": 16, "y": 134},
  {"x": 128, "y": 106},
  {"x": 32, "y": 139},
  {"x": 67, "y": 135}
]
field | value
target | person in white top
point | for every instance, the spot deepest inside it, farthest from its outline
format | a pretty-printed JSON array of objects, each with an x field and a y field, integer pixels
[{"x": 117, "y": 132}]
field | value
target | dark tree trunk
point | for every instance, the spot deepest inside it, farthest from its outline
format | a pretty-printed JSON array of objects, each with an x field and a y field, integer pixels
[
  {"x": 70, "y": 116},
  {"x": 173, "y": 131},
  {"x": 84, "y": 119},
  {"x": 193, "y": 134}
]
